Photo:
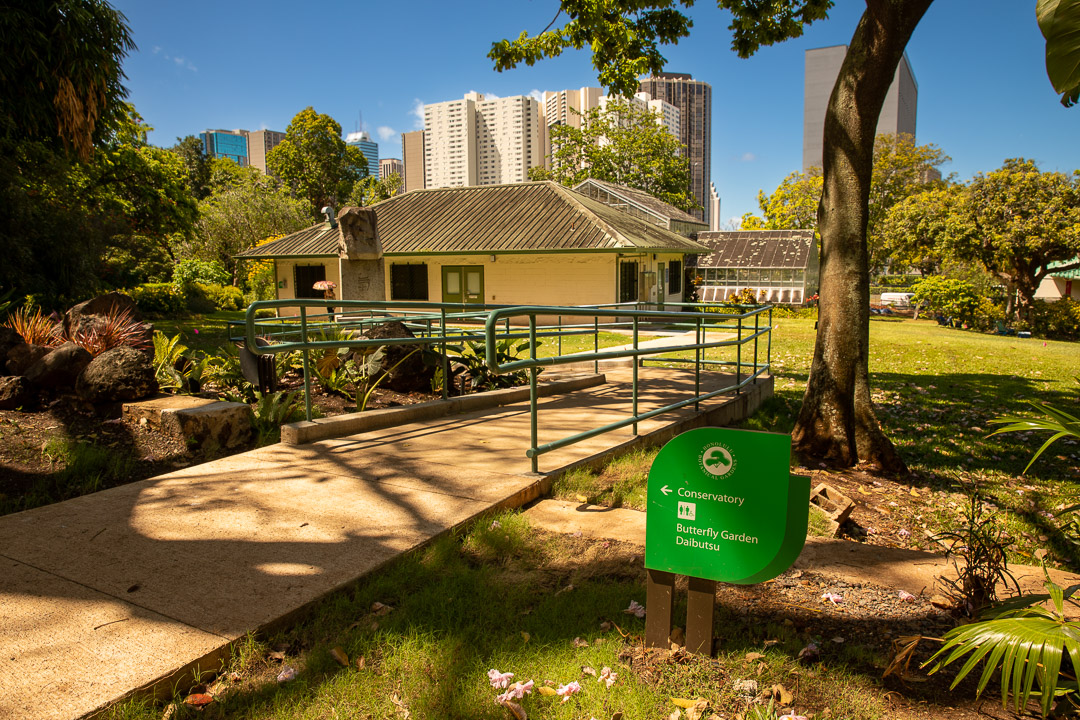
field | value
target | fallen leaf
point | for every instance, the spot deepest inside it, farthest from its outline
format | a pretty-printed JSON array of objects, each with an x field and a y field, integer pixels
[
  {"x": 588, "y": 670},
  {"x": 677, "y": 637},
  {"x": 516, "y": 710},
  {"x": 617, "y": 716},
  {"x": 560, "y": 591},
  {"x": 199, "y": 700},
  {"x": 276, "y": 655},
  {"x": 287, "y": 673},
  {"x": 579, "y": 643},
  {"x": 404, "y": 711},
  {"x": 1040, "y": 553},
  {"x": 525, "y": 636},
  {"x": 360, "y": 663},
  {"x": 675, "y": 715},
  {"x": 684, "y": 703},
  {"x": 605, "y": 626},
  {"x": 581, "y": 498},
  {"x": 861, "y": 490},
  {"x": 698, "y": 709},
  {"x": 547, "y": 691},
  {"x": 782, "y": 695},
  {"x": 752, "y": 656},
  {"x": 169, "y": 712},
  {"x": 339, "y": 655},
  {"x": 380, "y": 609}
]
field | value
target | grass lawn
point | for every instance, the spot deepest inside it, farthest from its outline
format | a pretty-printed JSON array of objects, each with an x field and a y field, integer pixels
[
  {"x": 935, "y": 389},
  {"x": 200, "y": 332},
  {"x": 502, "y": 596}
]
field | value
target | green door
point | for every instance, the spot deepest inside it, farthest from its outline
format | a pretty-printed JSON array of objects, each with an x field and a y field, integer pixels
[
  {"x": 661, "y": 286},
  {"x": 463, "y": 284}
]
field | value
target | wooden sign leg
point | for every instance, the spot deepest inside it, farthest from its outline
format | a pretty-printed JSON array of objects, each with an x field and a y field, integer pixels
[
  {"x": 699, "y": 616},
  {"x": 659, "y": 588}
]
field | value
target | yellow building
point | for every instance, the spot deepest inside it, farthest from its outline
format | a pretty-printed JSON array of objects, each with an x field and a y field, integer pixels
[{"x": 534, "y": 243}]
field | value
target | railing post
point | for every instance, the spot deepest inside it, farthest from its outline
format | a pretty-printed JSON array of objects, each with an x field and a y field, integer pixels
[
  {"x": 768, "y": 348},
  {"x": 697, "y": 364},
  {"x": 757, "y": 317},
  {"x": 738, "y": 359},
  {"x": 535, "y": 440},
  {"x": 596, "y": 343},
  {"x": 307, "y": 364},
  {"x": 445, "y": 360},
  {"x": 560, "y": 335},
  {"x": 635, "y": 358}
]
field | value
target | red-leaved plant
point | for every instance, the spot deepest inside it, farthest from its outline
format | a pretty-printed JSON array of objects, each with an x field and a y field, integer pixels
[
  {"x": 111, "y": 330},
  {"x": 35, "y": 328}
]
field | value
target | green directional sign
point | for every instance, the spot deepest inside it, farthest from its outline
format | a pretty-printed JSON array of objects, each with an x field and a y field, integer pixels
[{"x": 723, "y": 505}]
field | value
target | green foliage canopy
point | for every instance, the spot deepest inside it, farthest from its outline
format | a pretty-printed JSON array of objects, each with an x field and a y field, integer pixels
[
  {"x": 315, "y": 163},
  {"x": 622, "y": 144}
]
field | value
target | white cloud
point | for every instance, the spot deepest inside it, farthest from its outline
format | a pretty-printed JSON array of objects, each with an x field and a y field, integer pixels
[
  {"x": 178, "y": 61},
  {"x": 157, "y": 49},
  {"x": 748, "y": 157},
  {"x": 417, "y": 112},
  {"x": 537, "y": 95},
  {"x": 385, "y": 132}
]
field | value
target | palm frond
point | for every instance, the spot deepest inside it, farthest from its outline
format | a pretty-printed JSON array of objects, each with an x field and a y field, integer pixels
[{"x": 1061, "y": 423}]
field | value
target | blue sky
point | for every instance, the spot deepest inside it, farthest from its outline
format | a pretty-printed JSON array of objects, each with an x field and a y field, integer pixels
[{"x": 983, "y": 92}]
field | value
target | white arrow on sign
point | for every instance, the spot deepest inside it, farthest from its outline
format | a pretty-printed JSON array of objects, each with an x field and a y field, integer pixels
[{"x": 666, "y": 490}]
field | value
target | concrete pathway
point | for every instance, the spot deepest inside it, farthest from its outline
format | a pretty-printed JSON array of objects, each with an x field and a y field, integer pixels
[{"x": 130, "y": 588}]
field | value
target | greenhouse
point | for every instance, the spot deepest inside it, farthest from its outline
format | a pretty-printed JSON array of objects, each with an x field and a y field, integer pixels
[{"x": 779, "y": 266}]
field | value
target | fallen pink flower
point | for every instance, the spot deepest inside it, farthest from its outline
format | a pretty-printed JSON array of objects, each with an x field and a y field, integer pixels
[
  {"x": 567, "y": 690},
  {"x": 635, "y": 609},
  {"x": 833, "y": 598},
  {"x": 499, "y": 680},
  {"x": 606, "y": 676},
  {"x": 904, "y": 532},
  {"x": 287, "y": 673},
  {"x": 515, "y": 692},
  {"x": 905, "y": 596}
]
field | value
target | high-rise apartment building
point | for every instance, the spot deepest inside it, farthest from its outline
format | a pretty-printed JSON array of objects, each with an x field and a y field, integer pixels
[
  {"x": 714, "y": 208},
  {"x": 369, "y": 147},
  {"x": 412, "y": 154},
  {"x": 480, "y": 141},
  {"x": 392, "y": 166},
  {"x": 693, "y": 98},
  {"x": 259, "y": 145},
  {"x": 232, "y": 144},
  {"x": 822, "y": 67}
]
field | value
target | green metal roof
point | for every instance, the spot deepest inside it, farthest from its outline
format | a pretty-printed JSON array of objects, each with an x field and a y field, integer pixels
[
  {"x": 534, "y": 217},
  {"x": 1073, "y": 274}
]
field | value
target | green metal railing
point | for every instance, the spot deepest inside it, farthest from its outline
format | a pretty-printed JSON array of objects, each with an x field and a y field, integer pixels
[{"x": 316, "y": 328}]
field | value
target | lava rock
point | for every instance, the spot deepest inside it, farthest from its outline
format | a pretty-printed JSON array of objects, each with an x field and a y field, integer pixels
[
  {"x": 412, "y": 374},
  {"x": 9, "y": 339},
  {"x": 15, "y": 392},
  {"x": 118, "y": 375},
  {"x": 60, "y": 368},
  {"x": 21, "y": 357}
]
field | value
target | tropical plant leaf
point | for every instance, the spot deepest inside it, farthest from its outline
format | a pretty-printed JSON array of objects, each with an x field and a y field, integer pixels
[
  {"x": 1061, "y": 423},
  {"x": 1059, "y": 21}
]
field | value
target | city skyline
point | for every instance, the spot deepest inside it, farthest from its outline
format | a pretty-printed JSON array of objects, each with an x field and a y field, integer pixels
[{"x": 983, "y": 94}]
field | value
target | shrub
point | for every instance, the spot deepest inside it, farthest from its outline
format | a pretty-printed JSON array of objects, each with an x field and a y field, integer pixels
[
  {"x": 1059, "y": 320},
  {"x": 158, "y": 299},
  {"x": 116, "y": 328},
  {"x": 957, "y": 299},
  {"x": 190, "y": 271},
  {"x": 274, "y": 410},
  {"x": 35, "y": 328},
  {"x": 224, "y": 297}
]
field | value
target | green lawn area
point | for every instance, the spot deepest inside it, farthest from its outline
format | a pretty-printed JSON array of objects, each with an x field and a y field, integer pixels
[
  {"x": 501, "y": 596},
  {"x": 200, "y": 332},
  {"x": 935, "y": 390}
]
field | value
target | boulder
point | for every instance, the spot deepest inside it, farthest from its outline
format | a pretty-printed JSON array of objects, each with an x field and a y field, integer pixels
[
  {"x": 411, "y": 375},
  {"x": 15, "y": 392},
  {"x": 86, "y": 314},
  {"x": 21, "y": 357},
  {"x": 60, "y": 368},
  {"x": 118, "y": 375},
  {"x": 8, "y": 339}
]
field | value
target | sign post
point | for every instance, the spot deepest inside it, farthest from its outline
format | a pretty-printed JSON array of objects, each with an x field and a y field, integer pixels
[{"x": 722, "y": 506}]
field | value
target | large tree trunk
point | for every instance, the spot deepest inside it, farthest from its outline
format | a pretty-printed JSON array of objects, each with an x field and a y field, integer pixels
[{"x": 836, "y": 423}]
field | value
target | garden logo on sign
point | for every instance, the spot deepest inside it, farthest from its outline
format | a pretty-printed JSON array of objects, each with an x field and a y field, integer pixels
[
  {"x": 723, "y": 505},
  {"x": 717, "y": 460}
]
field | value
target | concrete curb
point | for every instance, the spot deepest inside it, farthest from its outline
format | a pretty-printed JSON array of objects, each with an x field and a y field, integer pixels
[{"x": 302, "y": 432}]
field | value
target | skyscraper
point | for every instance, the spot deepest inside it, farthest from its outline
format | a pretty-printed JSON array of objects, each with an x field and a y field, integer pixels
[
  {"x": 693, "y": 98},
  {"x": 412, "y": 152},
  {"x": 367, "y": 146},
  {"x": 230, "y": 144},
  {"x": 822, "y": 67},
  {"x": 391, "y": 166},
  {"x": 480, "y": 141},
  {"x": 259, "y": 145}
]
